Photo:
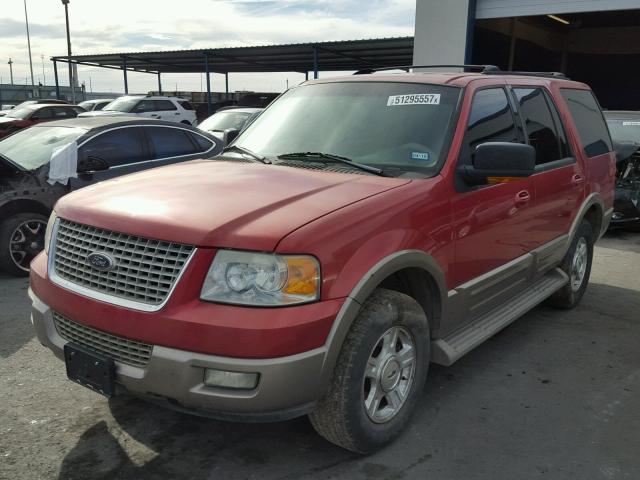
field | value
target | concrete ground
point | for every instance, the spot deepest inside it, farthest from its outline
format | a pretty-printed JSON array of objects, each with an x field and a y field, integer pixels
[{"x": 556, "y": 395}]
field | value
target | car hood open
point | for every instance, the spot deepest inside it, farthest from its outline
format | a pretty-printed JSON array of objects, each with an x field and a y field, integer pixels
[{"x": 219, "y": 203}]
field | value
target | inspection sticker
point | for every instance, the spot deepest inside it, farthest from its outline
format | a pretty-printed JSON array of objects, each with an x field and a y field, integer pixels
[
  {"x": 631, "y": 124},
  {"x": 417, "y": 99}
]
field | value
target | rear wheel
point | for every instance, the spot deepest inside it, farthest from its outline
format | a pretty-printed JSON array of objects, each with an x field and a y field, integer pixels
[
  {"x": 577, "y": 265},
  {"x": 379, "y": 376},
  {"x": 21, "y": 239}
]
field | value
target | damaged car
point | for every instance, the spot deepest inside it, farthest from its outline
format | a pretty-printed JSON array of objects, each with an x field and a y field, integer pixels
[
  {"x": 625, "y": 133},
  {"x": 40, "y": 164}
]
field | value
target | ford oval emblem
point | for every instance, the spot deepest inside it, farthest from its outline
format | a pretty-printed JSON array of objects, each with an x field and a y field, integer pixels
[{"x": 101, "y": 261}]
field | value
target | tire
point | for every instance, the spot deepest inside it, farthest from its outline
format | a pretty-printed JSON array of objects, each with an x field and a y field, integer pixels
[
  {"x": 570, "y": 295},
  {"x": 341, "y": 415},
  {"x": 11, "y": 229}
]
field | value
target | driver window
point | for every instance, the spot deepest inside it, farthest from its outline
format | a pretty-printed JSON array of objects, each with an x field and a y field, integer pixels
[
  {"x": 117, "y": 147},
  {"x": 42, "y": 114}
]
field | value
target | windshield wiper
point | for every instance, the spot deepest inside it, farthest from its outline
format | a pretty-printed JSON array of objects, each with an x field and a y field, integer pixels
[
  {"x": 319, "y": 156},
  {"x": 246, "y": 151}
]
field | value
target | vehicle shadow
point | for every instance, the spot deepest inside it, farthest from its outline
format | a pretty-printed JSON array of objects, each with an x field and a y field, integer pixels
[
  {"x": 144, "y": 441},
  {"x": 15, "y": 328}
]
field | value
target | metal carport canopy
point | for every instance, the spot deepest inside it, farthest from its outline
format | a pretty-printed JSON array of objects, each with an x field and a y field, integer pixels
[{"x": 299, "y": 57}]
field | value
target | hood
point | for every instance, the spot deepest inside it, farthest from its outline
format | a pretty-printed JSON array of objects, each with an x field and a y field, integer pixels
[
  {"x": 219, "y": 203},
  {"x": 103, "y": 113},
  {"x": 7, "y": 165}
]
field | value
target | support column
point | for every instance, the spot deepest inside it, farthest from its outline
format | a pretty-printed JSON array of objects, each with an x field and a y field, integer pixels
[
  {"x": 226, "y": 84},
  {"x": 208, "y": 81},
  {"x": 449, "y": 25},
  {"x": 126, "y": 83},
  {"x": 306, "y": 75},
  {"x": 55, "y": 74},
  {"x": 512, "y": 45},
  {"x": 159, "y": 84},
  {"x": 315, "y": 61}
]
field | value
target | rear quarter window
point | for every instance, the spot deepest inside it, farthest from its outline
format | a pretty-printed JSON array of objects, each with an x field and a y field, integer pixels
[
  {"x": 589, "y": 121},
  {"x": 186, "y": 105}
]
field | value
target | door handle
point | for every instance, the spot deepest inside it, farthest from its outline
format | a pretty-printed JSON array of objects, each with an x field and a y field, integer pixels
[
  {"x": 177, "y": 113},
  {"x": 577, "y": 180},
  {"x": 522, "y": 198}
]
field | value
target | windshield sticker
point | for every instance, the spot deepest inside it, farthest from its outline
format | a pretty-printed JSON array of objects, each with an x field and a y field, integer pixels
[
  {"x": 419, "y": 156},
  {"x": 631, "y": 124},
  {"x": 417, "y": 99}
]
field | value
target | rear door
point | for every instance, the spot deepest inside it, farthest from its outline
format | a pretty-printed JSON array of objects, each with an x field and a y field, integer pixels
[
  {"x": 559, "y": 181},
  {"x": 166, "y": 110}
]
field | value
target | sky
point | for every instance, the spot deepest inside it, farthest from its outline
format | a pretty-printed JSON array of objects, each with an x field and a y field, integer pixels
[{"x": 107, "y": 26}]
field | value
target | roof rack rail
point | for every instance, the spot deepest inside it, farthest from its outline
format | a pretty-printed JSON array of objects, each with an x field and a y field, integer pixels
[
  {"x": 529, "y": 74},
  {"x": 406, "y": 68}
]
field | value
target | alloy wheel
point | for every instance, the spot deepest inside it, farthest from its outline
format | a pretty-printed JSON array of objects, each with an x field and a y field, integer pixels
[{"x": 26, "y": 241}]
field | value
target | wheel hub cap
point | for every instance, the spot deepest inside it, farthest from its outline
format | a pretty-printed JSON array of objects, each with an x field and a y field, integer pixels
[
  {"x": 579, "y": 264},
  {"x": 389, "y": 374}
]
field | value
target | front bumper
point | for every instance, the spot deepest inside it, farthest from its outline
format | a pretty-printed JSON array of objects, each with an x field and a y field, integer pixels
[{"x": 287, "y": 387}]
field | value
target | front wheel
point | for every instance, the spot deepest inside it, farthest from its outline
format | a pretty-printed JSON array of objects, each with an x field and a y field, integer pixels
[
  {"x": 379, "y": 376},
  {"x": 21, "y": 239}
]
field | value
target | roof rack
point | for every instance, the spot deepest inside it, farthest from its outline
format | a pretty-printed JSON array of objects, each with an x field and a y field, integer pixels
[
  {"x": 529, "y": 74},
  {"x": 406, "y": 68},
  {"x": 484, "y": 69}
]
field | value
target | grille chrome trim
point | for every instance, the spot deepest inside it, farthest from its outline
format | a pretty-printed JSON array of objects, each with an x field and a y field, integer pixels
[
  {"x": 100, "y": 295},
  {"x": 123, "y": 350}
]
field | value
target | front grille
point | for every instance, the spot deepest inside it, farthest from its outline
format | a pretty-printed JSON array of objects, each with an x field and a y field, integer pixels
[
  {"x": 120, "y": 349},
  {"x": 145, "y": 269}
]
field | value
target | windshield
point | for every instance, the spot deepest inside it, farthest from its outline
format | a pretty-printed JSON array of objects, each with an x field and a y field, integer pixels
[
  {"x": 391, "y": 126},
  {"x": 624, "y": 130},
  {"x": 122, "y": 105},
  {"x": 224, "y": 120},
  {"x": 31, "y": 148},
  {"x": 20, "y": 113},
  {"x": 24, "y": 104}
]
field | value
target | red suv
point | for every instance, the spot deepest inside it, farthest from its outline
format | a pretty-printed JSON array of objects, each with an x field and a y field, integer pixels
[{"x": 358, "y": 230}]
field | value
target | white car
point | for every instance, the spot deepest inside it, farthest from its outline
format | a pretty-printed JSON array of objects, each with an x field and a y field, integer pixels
[
  {"x": 95, "y": 105},
  {"x": 235, "y": 118},
  {"x": 171, "y": 109}
]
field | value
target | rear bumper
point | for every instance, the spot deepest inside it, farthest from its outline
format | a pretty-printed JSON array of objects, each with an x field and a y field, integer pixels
[{"x": 288, "y": 386}]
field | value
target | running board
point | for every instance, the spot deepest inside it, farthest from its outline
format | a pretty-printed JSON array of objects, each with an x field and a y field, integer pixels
[{"x": 447, "y": 350}]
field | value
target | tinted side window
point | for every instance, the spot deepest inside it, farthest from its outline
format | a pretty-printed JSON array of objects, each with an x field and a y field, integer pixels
[
  {"x": 186, "y": 105},
  {"x": 589, "y": 121},
  {"x": 490, "y": 120},
  {"x": 43, "y": 114},
  {"x": 203, "y": 143},
  {"x": 143, "y": 106},
  {"x": 117, "y": 147},
  {"x": 170, "y": 142},
  {"x": 163, "y": 105},
  {"x": 539, "y": 125}
]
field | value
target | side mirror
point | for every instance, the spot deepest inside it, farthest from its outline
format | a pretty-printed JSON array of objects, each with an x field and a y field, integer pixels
[
  {"x": 229, "y": 135},
  {"x": 92, "y": 164},
  {"x": 500, "y": 160}
]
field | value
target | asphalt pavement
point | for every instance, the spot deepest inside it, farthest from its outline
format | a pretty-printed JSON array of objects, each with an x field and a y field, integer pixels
[{"x": 556, "y": 395}]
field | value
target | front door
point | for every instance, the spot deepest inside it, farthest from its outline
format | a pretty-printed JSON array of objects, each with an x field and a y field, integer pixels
[{"x": 492, "y": 223}]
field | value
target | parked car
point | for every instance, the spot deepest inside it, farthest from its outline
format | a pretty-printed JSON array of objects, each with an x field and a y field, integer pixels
[
  {"x": 625, "y": 132},
  {"x": 357, "y": 230},
  {"x": 229, "y": 122},
  {"x": 170, "y": 109},
  {"x": 107, "y": 147},
  {"x": 24, "y": 117},
  {"x": 48, "y": 101},
  {"x": 95, "y": 105}
]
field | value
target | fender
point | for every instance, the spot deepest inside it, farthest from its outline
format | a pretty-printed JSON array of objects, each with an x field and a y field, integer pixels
[
  {"x": 350, "y": 308},
  {"x": 591, "y": 200}
]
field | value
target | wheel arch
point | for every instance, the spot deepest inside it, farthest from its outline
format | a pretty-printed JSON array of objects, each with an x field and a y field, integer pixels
[
  {"x": 24, "y": 205},
  {"x": 411, "y": 272}
]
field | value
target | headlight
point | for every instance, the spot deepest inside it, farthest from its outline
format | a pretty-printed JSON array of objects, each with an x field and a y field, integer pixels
[
  {"x": 261, "y": 279},
  {"x": 49, "y": 231}
]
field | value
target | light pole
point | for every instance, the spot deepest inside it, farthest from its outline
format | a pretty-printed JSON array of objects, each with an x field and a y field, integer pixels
[
  {"x": 10, "y": 62},
  {"x": 26, "y": 19},
  {"x": 66, "y": 15},
  {"x": 44, "y": 78}
]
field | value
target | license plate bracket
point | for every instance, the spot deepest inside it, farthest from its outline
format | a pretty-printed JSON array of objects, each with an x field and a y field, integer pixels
[{"x": 90, "y": 369}]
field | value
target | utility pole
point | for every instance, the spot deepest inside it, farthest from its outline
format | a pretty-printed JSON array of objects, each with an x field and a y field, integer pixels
[
  {"x": 10, "y": 62},
  {"x": 44, "y": 78},
  {"x": 71, "y": 82},
  {"x": 26, "y": 18}
]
